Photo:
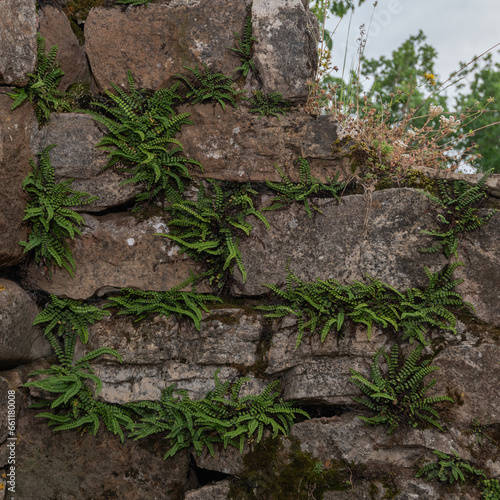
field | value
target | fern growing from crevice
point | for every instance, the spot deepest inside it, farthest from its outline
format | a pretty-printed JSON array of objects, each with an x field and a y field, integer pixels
[
  {"x": 71, "y": 385},
  {"x": 458, "y": 213},
  {"x": 324, "y": 305},
  {"x": 141, "y": 128},
  {"x": 209, "y": 87},
  {"x": 397, "y": 394},
  {"x": 244, "y": 47},
  {"x": 269, "y": 104},
  {"x": 133, "y": 2},
  {"x": 41, "y": 89},
  {"x": 68, "y": 316},
  {"x": 49, "y": 214},
  {"x": 143, "y": 303},
  {"x": 222, "y": 416},
  {"x": 209, "y": 230},
  {"x": 300, "y": 192}
]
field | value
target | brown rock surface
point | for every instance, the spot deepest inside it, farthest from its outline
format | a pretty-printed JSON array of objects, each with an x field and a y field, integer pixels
[
  {"x": 20, "y": 341},
  {"x": 55, "y": 28},
  {"x": 118, "y": 250},
  {"x": 157, "y": 42},
  {"x": 235, "y": 145},
  {"x": 17, "y": 40},
  {"x": 18, "y": 144},
  {"x": 76, "y": 157}
]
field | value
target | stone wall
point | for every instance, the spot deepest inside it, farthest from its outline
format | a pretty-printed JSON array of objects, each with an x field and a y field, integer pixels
[{"x": 118, "y": 248}]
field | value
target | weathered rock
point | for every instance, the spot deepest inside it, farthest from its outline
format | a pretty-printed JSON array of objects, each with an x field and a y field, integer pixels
[
  {"x": 76, "y": 157},
  {"x": 235, "y": 145},
  {"x": 157, "y": 42},
  {"x": 227, "y": 336},
  {"x": 18, "y": 143},
  {"x": 79, "y": 465},
  {"x": 17, "y": 40},
  {"x": 20, "y": 341},
  {"x": 55, "y": 28},
  {"x": 285, "y": 54},
  {"x": 217, "y": 491},
  {"x": 470, "y": 374},
  {"x": 116, "y": 251}
]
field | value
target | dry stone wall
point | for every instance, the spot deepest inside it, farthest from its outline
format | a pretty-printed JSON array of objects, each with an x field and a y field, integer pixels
[{"x": 379, "y": 235}]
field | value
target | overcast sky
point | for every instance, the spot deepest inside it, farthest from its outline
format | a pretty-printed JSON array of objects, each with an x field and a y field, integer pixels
[{"x": 457, "y": 29}]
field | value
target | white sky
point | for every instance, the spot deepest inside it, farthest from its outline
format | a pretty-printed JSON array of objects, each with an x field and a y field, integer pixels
[{"x": 457, "y": 29}]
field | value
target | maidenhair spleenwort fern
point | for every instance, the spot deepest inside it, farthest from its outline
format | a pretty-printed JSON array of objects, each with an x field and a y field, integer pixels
[
  {"x": 41, "y": 89},
  {"x": 324, "y": 305},
  {"x": 49, "y": 214},
  {"x": 458, "y": 213},
  {"x": 397, "y": 394},
  {"x": 269, "y": 104},
  {"x": 71, "y": 385},
  {"x": 244, "y": 47},
  {"x": 300, "y": 192},
  {"x": 67, "y": 316},
  {"x": 141, "y": 128},
  {"x": 209, "y": 87},
  {"x": 209, "y": 230},
  {"x": 142, "y": 303},
  {"x": 222, "y": 416}
]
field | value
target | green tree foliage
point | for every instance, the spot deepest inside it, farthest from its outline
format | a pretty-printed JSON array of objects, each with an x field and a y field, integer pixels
[
  {"x": 49, "y": 214},
  {"x": 222, "y": 416},
  {"x": 397, "y": 394},
  {"x": 483, "y": 94}
]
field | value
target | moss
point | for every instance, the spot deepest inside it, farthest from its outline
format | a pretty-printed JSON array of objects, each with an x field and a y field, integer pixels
[
  {"x": 78, "y": 10},
  {"x": 273, "y": 471}
]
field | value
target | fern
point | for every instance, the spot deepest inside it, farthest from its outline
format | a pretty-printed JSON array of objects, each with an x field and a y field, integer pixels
[
  {"x": 209, "y": 229},
  {"x": 458, "y": 213},
  {"x": 48, "y": 213},
  {"x": 223, "y": 416},
  {"x": 244, "y": 47},
  {"x": 141, "y": 129},
  {"x": 66, "y": 316},
  {"x": 70, "y": 384},
  {"x": 209, "y": 87},
  {"x": 270, "y": 104},
  {"x": 133, "y": 2},
  {"x": 397, "y": 395},
  {"x": 289, "y": 192},
  {"x": 41, "y": 89},
  {"x": 142, "y": 303},
  {"x": 324, "y": 305}
]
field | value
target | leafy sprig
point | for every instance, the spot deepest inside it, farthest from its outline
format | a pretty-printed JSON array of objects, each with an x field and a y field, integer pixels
[
  {"x": 458, "y": 214},
  {"x": 244, "y": 47},
  {"x": 397, "y": 394},
  {"x": 210, "y": 229},
  {"x": 302, "y": 191},
  {"x": 48, "y": 212},
  {"x": 324, "y": 305},
  {"x": 269, "y": 104},
  {"x": 41, "y": 89},
  {"x": 223, "y": 416},
  {"x": 209, "y": 87},
  {"x": 141, "y": 128}
]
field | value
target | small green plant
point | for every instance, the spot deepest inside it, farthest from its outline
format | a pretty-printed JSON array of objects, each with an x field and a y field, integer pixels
[
  {"x": 210, "y": 228},
  {"x": 209, "y": 87},
  {"x": 49, "y": 214},
  {"x": 133, "y": 2},
  {"x": 141, "y": 138},
  {"x": 270, "y": 104},
  {"x": 458, "y": 213},
  {"x": 41, "y": 89},
  {"x": 324, "y": 305},
  {"x": 67, "y": 316},
  {"x": 142, "y": 303},
  {"x": 397, "y": 395},
  {"x": 71, "y": 384},
  {"x": 223, "y": 416},
  {"x": 480, "y": 431},
  {"x": 244, "y": 47},
  {"x": 308, "y": 186},
  {"x": 490, "y": 489}
]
